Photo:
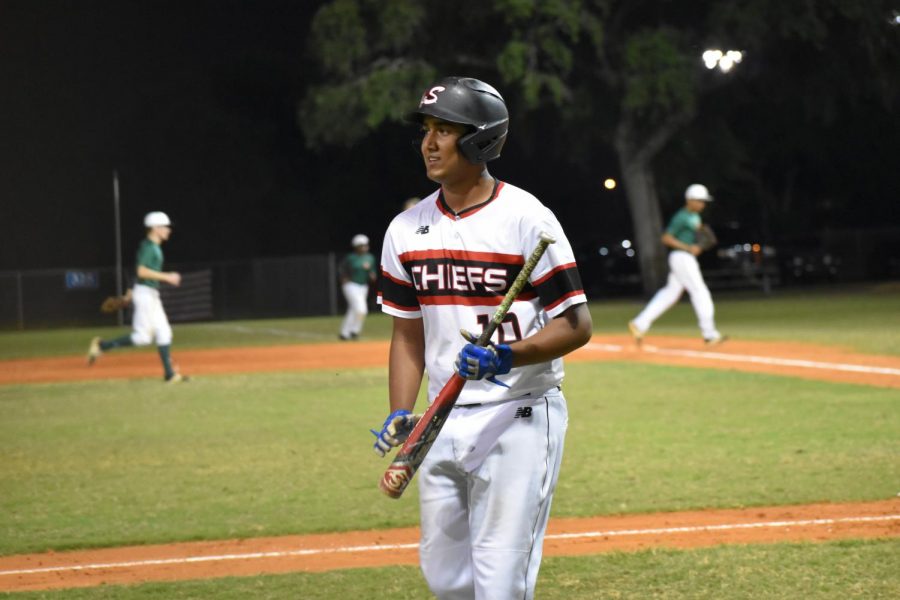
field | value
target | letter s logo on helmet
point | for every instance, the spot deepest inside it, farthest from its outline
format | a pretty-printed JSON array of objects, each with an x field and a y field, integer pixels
[
  {"x": 430, "y": 97},
  {"x": 472, "y": 103}
]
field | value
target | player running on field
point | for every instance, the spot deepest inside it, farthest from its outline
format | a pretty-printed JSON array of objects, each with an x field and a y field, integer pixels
[
  {"x": 684, "y": 271},
  {"x": 486, "y": 485},
  {"x": 149, "y": 321},
  {"x": 357, "y": 270}
]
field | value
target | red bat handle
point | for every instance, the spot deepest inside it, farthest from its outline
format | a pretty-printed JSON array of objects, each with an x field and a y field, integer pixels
[{"x": 412, "y": 453}]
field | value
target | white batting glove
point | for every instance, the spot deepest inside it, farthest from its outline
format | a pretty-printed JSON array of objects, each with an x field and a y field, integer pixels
[{"x": 397, "y": 427}]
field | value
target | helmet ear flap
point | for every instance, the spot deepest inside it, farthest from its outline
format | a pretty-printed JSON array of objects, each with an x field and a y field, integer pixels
[{"x": 483, "y": 145}]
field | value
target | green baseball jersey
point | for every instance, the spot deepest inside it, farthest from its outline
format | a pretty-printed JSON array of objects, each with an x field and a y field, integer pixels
[
  {"x": 684, "y": 226},
  {"x": 149, "y": 255},
  {"x": 357, "y": 267}
]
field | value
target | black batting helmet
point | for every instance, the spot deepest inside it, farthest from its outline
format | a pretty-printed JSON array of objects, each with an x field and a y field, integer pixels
[{"x": 472, "y": 103}]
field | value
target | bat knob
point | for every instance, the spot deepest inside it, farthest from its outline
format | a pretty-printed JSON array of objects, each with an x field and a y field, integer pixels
[{"x": 546, "y": 237}]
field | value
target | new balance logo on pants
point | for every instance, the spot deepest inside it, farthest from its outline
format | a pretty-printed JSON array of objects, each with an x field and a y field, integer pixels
[{"x": 523, "y": 412}]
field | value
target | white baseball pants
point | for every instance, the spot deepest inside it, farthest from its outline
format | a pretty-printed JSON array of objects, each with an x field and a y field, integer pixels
[
  {"x": 485, "y": 491},
  {"x": 149, "y": 322},
  {"x": 357, "y": 295},
  {"x": 684, "y": 274}
]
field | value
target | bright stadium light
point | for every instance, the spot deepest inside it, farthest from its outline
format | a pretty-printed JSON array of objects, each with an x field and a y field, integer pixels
[
  {"x": 724, "y": 60},
  {"x": 711, "y": 58},
  {"x": 609, "y": 183}
]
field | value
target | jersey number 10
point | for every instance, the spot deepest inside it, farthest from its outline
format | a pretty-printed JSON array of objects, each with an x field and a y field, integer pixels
[{"x": 507, "y": 332}]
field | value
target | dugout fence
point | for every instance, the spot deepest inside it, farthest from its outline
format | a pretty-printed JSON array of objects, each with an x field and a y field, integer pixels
[
  {"x": 238, "y": 289},
  {"x": 307, "y": 285}
]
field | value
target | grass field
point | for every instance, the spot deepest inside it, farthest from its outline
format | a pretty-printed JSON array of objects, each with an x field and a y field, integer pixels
[{"x": 128, "y": 462}]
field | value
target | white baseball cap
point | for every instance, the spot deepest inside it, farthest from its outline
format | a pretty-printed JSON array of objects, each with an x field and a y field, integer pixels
[
  {"x": 360, "y": 240},
  {"x": 697, "y": 191},
  {"x": 157, "y": 219}
]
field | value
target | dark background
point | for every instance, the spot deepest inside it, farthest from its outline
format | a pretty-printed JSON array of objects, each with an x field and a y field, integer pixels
[{"x": 194, "y": 104}]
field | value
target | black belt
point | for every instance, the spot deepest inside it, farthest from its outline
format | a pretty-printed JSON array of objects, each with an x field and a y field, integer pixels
[{"x": 559, "y": 388}]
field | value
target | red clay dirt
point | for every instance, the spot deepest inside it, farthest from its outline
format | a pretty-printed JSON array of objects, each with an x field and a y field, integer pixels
[
  {"x": 198, "y": 560},
  {"x": 784, "y": 358},
  {"x": 565, "y": 537}
]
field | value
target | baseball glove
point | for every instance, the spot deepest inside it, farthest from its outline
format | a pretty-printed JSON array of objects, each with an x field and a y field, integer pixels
[
  {"x": 114, "y": 304},
  {"x": 706, "y": 237}
]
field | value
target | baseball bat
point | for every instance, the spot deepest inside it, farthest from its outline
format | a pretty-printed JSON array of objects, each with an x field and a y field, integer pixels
[{"x": 412, "y": 453}]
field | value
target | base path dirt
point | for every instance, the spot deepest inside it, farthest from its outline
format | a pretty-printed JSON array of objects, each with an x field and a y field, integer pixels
[
  {"x": 565, "y": 537},
  {"x": 785, "y": 358}
]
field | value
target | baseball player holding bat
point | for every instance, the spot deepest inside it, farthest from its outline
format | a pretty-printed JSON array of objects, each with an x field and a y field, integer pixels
[
  {"x": 682, "y": 237},
  {"x": 487, "y": 482},
  {"x": 149, "y": 322}
]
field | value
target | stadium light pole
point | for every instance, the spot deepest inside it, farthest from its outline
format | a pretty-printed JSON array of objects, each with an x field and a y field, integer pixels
[{"x": 118, "y": 228}]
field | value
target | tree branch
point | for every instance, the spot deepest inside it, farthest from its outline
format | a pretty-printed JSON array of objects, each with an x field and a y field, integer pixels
[{"x": 661, "y": 135}]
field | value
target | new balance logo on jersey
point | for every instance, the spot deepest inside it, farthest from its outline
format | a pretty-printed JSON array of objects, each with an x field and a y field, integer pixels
[
  {"x": 523, "y": 412},
  {"x": 422, "y": 230}
]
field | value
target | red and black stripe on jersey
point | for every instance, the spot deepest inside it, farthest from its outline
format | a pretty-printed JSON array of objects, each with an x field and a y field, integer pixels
[
  {"x": 473, "y": 279},
  {"x": 558, "y": 285}
]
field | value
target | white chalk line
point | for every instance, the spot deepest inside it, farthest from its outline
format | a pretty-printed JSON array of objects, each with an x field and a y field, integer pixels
[
  {"x": 749, "y": 358},
  {"x": 382, "y": 547},
  {"x": 214, "y": 558},
  {"x": 724, "y": 527}
]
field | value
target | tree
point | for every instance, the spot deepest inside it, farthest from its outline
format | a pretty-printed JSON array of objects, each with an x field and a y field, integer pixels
[{"x": 627, "y": 74}]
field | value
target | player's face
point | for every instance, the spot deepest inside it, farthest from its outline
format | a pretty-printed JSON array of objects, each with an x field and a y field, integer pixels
[
  {"x": 163, "y": 232},
  {"x": 442, "y": 158},
  {"x": 696, "y": 205}
]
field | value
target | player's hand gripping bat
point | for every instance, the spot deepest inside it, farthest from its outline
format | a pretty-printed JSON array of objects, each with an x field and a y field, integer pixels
[{"x": 412, "y": 453}]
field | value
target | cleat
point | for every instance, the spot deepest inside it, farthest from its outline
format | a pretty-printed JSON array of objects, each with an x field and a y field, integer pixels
[
  {"x": 716, "y": 341},
  {"x": 94, "y": 351},
  {"x": 178, "y": 378},
  {"x": 636, "y": 333}
]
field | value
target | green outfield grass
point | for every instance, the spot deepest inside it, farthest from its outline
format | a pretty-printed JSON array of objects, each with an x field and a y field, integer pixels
[
  {"x": 107, "y": 463},
  {"x": 124, "y": 462},
  {"x": 865, "y": 319},
  {"x": 853, "y": 569}
]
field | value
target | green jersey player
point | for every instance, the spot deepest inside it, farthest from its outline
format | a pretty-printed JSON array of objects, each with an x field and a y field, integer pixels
[
  {"x": 684, "y": 271},
  {"x": 149, "y": 322}
]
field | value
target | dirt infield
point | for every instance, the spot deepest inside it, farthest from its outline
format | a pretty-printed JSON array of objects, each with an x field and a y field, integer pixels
[
  {"x": 784, "y": 358},
  {"x": 565, "y": 537},
  {"x": 198, "y": 560}
]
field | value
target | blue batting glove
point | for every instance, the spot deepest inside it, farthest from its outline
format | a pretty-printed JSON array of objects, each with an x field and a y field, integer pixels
[
  {"x": 397, "y": 427},
  {"x": 477, "y": 362}
]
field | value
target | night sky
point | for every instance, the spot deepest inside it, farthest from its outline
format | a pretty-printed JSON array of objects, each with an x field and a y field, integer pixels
[
  {"x": 191, "y": 102},
  {"x": 194, "y": 104}
]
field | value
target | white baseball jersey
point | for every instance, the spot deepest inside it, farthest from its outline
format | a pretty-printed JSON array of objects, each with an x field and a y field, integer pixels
[{"x": 453, "y": 271}]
